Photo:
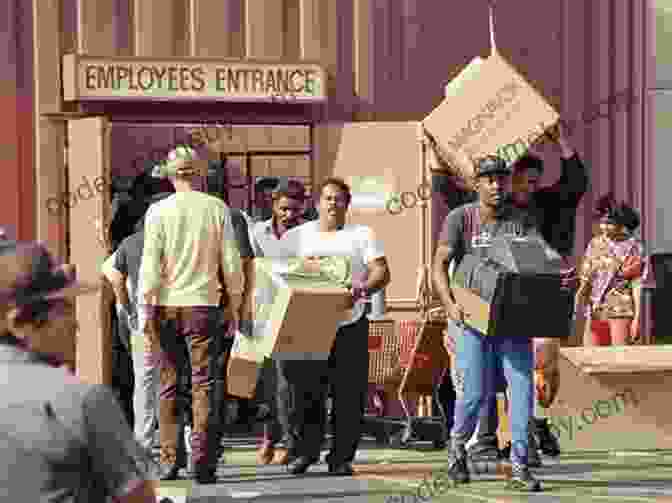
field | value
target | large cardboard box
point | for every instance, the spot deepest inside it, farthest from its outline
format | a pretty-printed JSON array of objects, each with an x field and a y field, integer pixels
[
  {"x": 295, "y": 318},
  {"x": 613, "y": 398},
  {"x": 490, "y": 109},
  {"x": 376, "y": 174}
]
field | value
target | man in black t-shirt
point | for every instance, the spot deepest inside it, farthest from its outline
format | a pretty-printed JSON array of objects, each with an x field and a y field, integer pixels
[{"x": 122, "y": 270}]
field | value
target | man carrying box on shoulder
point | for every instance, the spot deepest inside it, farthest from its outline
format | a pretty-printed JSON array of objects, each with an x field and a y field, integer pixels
[{"x": 477, "y": 356}]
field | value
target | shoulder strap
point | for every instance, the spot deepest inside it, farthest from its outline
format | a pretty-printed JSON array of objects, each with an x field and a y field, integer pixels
[{"x": 472, "y": 222}]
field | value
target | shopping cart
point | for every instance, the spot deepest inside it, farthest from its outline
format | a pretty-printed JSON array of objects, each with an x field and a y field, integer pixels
[{"x": 408, "y": 358}]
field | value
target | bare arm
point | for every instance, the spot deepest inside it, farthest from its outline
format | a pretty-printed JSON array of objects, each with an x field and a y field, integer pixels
[
  {"x": 117, "y": 280},
  {"x": 444, "y": 255},
  {"x": 379, "y": 275}
]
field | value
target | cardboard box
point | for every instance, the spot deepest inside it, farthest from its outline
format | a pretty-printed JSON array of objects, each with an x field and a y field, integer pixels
[
  {"x": 375, "y": 172},
  {"x": 610, "y": 398},
  {"x": 294, "y": 319},
  {"x": 490, "y": 110},
  {"x": 244, "y": 367}
]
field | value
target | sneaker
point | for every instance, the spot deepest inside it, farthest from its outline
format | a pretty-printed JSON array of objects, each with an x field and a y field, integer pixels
[
  {"x": 458, "y": 471},
  {"x": 547, "y": 442},
  {"x": 484, "y": 451},
  {"x": 533, "y": 459},
  {"x": 522, "y": 480}
]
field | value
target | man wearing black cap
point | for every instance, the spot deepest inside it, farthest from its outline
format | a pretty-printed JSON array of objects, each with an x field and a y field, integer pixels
[
  {"x": 477, "y": 356},
  {"x": 288, "y": 207},
  {"x": 554, "y": 208}
]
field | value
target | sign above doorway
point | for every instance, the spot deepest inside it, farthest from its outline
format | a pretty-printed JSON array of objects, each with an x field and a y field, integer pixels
[{"x": 191, "y": 79}]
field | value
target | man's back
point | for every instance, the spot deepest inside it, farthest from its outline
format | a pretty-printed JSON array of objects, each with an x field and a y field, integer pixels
[{"x": 187, "y": 237}]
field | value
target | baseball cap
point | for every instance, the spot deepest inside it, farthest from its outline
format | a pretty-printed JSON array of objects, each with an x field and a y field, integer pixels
[
  {"x": 180, "y": 162},
  {"x": 491, "y": 165}
]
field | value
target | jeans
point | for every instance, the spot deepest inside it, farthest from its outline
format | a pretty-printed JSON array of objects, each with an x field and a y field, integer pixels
[
  {"x": 489, "y": 416},
  {"x": 475, "y": 379},
  {"x": 146, "y": 396},
  {"x": 123, "y": 378}
]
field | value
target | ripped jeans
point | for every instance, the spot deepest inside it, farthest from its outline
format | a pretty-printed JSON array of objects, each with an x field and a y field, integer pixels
[{"x": 474, "y": 376}]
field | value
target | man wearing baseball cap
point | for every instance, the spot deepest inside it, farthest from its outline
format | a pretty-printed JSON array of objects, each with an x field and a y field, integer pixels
[
  {"x": 190, "y": 259},
  {"x": 476, "y": 356}
]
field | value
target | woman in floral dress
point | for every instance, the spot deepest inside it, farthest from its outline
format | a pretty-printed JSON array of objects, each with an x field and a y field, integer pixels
[{"x": 610, "y": 276}]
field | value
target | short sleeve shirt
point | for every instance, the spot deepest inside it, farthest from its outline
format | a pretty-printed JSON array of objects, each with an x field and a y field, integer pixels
[
  {"x": 73, "y": 434},
  {"x": 462, "y": 225},
  {"x": 241, "y": 230},
  {"x": 358, "y": 242},
  {"x": 128, "y": 258}
]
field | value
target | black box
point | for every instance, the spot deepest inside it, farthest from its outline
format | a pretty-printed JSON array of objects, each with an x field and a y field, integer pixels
[{"x": 522, "y": 283}]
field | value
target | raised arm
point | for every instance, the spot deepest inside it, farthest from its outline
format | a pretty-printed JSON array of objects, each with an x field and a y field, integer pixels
[{"x": 573, "y": 182}]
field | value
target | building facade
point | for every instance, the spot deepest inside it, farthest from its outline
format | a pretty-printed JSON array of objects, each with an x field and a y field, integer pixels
[{"x": 385, "y": 60}]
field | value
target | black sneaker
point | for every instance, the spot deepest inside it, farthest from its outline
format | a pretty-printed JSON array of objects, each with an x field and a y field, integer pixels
[
  {"x": 533, "y": 459},
  {"x": 547, "y": 442},
  {"x": 484, "y": 451},
  {"x": 522, "y": 480},
  {"x": 458, "y": 471}
]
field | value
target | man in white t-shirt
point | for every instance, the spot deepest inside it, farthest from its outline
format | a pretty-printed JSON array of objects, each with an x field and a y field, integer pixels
[{"x": 348, "y": 365}]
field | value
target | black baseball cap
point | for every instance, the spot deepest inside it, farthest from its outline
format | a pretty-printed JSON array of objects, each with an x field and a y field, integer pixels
[
  {"x": 491, "y": 165},
  {"x": 266, "y": 183}
]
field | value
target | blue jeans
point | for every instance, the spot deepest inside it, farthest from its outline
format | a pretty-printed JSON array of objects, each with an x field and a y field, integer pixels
[{"x": 475, "y": 378}]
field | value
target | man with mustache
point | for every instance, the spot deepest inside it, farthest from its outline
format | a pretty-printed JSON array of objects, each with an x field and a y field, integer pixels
[
  {"x": 288, "y": 202},
  {"x": 348, "y": 364},
  {"x": 477, "y": 356}
]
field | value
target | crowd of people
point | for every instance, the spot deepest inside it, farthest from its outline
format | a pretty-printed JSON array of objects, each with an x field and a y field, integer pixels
[{"x": 181, "y": 281}]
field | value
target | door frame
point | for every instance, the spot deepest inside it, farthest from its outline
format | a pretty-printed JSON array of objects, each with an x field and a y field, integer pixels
[{"x": 98, "y": 369}]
